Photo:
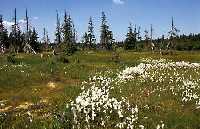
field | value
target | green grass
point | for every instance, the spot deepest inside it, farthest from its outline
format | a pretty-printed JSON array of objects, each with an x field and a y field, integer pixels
[{"x": 30, "y": 83}]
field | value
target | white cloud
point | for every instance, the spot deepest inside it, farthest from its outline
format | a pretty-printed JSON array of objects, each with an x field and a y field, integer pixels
[
  {"x": 8, "y": 24},
  {"x": 22, "y": 21},
  {"x": 118, "y": 1},
  {"x": 35, "y": 18}
]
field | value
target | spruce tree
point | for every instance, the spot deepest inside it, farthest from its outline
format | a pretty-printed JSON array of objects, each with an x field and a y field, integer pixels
[
  {"x": 91, "y": 36},
  {"x": 74, "y": 33},
  {"x": 130, "y": 41},
  {"x": 67, "y": 30},
  {"x": 106, "y": 37},
  {"x": 3, "y": 35},
  {"x": 34, "y": 40},
  {"x": 69, "y": 35},
  {"x": 16, "y": 36}
]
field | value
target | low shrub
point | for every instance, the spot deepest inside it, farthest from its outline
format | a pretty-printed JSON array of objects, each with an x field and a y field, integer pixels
[{"x": 12, "y": 59}]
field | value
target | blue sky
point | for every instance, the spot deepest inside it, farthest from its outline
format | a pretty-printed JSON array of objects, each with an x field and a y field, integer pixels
[{"x": 119, "y": 13}]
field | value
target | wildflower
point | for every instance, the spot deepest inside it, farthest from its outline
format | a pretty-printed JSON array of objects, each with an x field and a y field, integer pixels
[{"x": 141, "y": 126}]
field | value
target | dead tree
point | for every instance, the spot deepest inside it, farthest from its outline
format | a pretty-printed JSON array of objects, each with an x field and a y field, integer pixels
[
  {"x": 146, "y": 35},
  {"x": 46, "y": 39},
  {"x": 138, "y": 34},
  {"x": 14, "y": 33},
  {"x": 44, "y": 36},
  {"x": 27, "y": 46},
  {"x": 151, "y": 39},
  {"x": 149, "y": 45},
  {"x": 173, "y": 33},
  {"x": 162, "y": 44}
]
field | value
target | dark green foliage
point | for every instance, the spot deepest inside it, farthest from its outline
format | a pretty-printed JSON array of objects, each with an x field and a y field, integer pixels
[
  {"x": 12, "y": 59},
  {"x": 106, "y": 37},
  {"x": 16, "y": 37},
  {"x": 34, "y": 40},
  {"x": 69, "y": 36},
  {"x": 15, "y": 40},
  {"x": 89, "y": 37},
  {"x": 68, "y": 30},
  {"x": 190, "y": 42},
  {"x": 130, "y": 41},
  {"x": 181, "y": 43}
]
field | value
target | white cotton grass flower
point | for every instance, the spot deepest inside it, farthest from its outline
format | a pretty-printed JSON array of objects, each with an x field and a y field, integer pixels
[
  {"x": 161, "y": 125},
  {"x": 96, "y": 103},
  {"x": 188, "y": 92},
  {"x": 97, "y": 100},
  {"x": 141, "y": 126}
]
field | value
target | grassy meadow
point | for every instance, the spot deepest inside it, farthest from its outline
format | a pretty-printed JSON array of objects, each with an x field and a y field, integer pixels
[{"x": 96, "y": 89}]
